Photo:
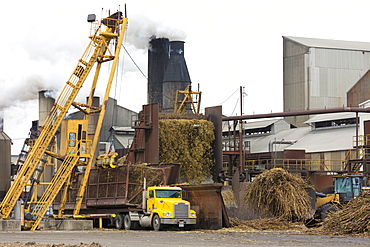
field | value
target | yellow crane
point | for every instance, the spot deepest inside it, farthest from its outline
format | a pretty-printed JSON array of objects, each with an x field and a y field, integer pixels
[{"x": 98, "y": 51}]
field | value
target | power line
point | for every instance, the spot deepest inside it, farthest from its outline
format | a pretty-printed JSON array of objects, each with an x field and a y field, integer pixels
[
  {"x": 134, "y": 62},
  {"x": 229, "y": 96}
]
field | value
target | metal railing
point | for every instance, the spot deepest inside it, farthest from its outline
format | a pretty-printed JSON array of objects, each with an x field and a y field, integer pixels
[{"x": 293, "y": 165}]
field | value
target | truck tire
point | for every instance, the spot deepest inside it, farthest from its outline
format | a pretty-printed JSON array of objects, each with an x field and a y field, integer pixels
[
  {"x": 156, "y": 223},
  {"x": 128, "y": 224},
  {"x": 119, "y": 221}
]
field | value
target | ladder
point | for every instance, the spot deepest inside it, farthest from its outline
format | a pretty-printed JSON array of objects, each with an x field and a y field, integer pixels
[
  {"x": 27, "y": 145},
  {"x": 95, "y": 51},
  {"x": 59, "y": 178}
]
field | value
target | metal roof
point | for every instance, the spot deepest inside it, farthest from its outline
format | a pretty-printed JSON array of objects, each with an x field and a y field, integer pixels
[
  {"x": 331, "y": 43},
  {"x": 336, "y": 116},
  {"x": 254, "y": 124},
  {"x": 260, "y": 124},
  {"x": 331, "y": 116},
  {"x": 334, "y": 139},
  {"x": 260, "y": 144},
  {"x": 312, "y": 141},
  {"x": 118, "y": 128},
  {"x": 4, "y": 136}
]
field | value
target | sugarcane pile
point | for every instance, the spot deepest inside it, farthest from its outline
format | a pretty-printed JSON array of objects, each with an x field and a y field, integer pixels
[
  {"x": 189, "y": 143},
  {"x": 353, "y": 218},
  {"x": 280, "y": 194}
]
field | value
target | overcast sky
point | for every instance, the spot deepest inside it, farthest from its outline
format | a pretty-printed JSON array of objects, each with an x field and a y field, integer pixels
[{"x": 228, "y": 44}]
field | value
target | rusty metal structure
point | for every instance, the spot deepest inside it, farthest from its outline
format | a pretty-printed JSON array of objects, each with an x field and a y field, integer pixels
[
  {"x": 112, "y": 188},
  {"x": 201, "y": 196},
  {"x": 145, "y": 145}
]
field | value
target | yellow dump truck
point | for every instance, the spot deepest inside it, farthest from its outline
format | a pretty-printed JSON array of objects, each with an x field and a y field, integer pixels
[{"x": 161, "y": 206}]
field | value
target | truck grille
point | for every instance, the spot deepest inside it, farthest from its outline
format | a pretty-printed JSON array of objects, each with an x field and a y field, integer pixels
[{"x": 181, "y": 210}]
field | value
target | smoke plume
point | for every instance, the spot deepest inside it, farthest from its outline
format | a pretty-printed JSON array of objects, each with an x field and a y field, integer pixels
[{"x": 142, "y": 28}]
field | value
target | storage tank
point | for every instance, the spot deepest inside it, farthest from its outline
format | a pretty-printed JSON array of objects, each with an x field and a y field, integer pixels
[
  {"x": 5, "y": 164},
  {"x": 46, "y": 102}
]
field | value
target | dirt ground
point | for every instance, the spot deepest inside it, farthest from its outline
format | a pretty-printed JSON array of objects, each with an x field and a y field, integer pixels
[{"x": 296, "y": 235}]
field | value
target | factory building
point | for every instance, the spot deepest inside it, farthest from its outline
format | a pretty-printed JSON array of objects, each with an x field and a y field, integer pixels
[
  {"x": 318, "y": 73},
  {"x": 327, "y": 144}
]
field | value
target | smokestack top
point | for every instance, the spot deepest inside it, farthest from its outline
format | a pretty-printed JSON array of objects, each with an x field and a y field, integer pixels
[
  {"x": 177, "y": 48},
  {"x": 177, "y": 71},
  {"x": 158, "y": 45}
]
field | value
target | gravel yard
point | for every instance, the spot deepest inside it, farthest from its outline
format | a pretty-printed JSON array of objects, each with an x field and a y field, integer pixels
[{"x": 235, "y": 236}]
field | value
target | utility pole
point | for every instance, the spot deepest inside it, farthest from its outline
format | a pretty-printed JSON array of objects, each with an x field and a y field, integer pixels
[{"x": 241, "y": 153}]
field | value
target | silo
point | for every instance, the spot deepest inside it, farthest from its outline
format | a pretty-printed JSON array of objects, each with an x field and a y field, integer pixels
[
  {"x": 158, "y": 55},
  {"x": 176, "y": 77},
  {"x": 5, "y": 164},
  {"x": 46, "y": 102}
]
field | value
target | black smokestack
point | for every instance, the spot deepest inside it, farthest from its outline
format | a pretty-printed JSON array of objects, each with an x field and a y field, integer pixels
[
  {"x": 177, "y": 75},
  {"x": 158, "y": 56}
]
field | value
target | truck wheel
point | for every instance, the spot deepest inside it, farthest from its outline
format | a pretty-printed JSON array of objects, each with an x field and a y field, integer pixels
[
  {"x": 156, "y": 223},
  {"x": 130, "y": 225},
  {"x": 119, "y": 221}
]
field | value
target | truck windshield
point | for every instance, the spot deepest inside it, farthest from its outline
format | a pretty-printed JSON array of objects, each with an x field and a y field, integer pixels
[
  {"x": 168, "y": 193},
  {"x": 343, "y": 185},
  {"x": 351, "y": 186}
]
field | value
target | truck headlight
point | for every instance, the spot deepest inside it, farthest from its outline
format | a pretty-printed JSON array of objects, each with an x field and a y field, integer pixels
[
  {"x": 167, "y": 214},
  {"x": 193, "y": 215}
]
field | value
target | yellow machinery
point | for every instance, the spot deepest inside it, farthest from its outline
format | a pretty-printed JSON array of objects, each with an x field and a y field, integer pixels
[
  {"x": 346, "y": 188},
  {"x": 104, "y": 46},
  {"x": 187, "y": 99}
]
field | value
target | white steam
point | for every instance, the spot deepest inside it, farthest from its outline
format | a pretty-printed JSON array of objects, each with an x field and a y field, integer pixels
[
  {"x": 24, "y": 89},
  {"x": 142, "y": 28},
  {"x": 50, "y": 94}
]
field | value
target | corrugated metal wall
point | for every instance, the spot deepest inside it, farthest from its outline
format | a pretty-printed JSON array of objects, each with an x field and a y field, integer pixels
[
  {"x": 318, "y": 78},
  {"x": 295, "y": 79}
]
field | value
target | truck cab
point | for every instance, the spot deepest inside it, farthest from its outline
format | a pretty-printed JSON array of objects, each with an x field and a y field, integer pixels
[
  {"x": 349, "y": 186},
  {"x": 166, "y": 207}
]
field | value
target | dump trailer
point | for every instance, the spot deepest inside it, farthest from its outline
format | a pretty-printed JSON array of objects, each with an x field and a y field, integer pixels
[
  {"x": 346, "y": 188},
  {"x": 132, "y": 197}
]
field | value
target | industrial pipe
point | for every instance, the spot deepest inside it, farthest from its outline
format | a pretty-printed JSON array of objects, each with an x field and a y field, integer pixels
[
  {"x": 298, "y": 113},
  {"x": 271, "y": 143}
]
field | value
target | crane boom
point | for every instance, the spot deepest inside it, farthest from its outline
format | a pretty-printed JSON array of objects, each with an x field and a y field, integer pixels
[{"x": 96, "y": 51}]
